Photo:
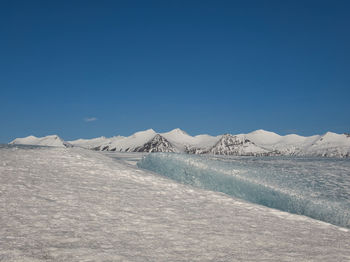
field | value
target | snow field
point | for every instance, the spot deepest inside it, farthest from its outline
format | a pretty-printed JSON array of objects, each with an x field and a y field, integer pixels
[{"x": 71, "y": 204}]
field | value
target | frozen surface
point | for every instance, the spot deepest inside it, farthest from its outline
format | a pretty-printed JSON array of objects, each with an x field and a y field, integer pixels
[
  {"x": 71, "y": 204},
  {"x": 315, "y": 187},
  {"x": 130, "y": 158}
]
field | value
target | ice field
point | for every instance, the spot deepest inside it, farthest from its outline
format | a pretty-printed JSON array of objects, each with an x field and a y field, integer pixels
[
  {"x": 71, "y": 204},
  {"x": 315, "y": 187}
]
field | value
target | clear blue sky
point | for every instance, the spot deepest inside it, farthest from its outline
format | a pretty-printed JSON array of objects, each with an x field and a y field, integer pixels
[{"x": 203, "y": 66}]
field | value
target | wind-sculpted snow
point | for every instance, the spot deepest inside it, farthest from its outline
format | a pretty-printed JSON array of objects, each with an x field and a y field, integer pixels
[{"x": 318, "y": 188}]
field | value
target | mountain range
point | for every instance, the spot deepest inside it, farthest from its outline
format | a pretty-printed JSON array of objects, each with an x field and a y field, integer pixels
[{"x": 257, "y": 143}]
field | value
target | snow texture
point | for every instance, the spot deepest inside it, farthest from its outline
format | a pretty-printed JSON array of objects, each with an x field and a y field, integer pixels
[{"x": 71, "y": 204}]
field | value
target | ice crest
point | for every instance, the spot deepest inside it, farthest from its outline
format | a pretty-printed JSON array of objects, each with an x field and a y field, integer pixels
[{"x": 314, "y": 187}]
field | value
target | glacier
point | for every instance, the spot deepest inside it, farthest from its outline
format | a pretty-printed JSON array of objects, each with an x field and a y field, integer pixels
[
  {"x": 73, "y": 204},
  {"x": 315, "y": 187}
]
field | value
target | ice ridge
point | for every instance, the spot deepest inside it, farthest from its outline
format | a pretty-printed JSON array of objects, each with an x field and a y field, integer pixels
[{"x": 276, "y": 185}]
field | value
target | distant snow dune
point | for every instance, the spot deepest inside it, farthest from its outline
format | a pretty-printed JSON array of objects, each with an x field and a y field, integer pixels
[{"x": 257, "y": 143}]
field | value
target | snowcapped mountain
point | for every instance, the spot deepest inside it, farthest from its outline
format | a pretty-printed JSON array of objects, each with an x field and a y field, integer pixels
[
  {"x": 181, "y": 140},
  {"x": 176, "y": 140},
  {"x": 125, "y": 144},
  {"x": 237, "y": 145},
  {"x": 52, "y": 140},
  {"x": 328, "y": 145},
  {"x": 285, "y": 145},
  {"x": 157, "y": 144},
  {"x": 257, "y": 143},
  {"x": 90, "y": 143}
]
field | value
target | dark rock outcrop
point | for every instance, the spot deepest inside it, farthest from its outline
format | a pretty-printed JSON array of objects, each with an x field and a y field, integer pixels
[
  {"x": 156, "y": 144},
  {"x": 237, "y": 146}
]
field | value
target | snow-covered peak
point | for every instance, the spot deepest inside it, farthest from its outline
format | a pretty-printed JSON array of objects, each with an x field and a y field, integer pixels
[
  {"x": 334, "y": 137},
  {"x": 183, "y": 140},
  {"x": 236, "y": 145},
  {"x": 51, "y": 140},
  {"x": 156, "y": 144},
  {"x": 331, "y": 138},
  {"x": 90, "y": 143},
  {"x": 263, "y": 137},
  {"x": 262, "y": 132},
  {"x": 147, "y": 132},
  {"x": 177, "y": 131},
  {"x": 128, "y": 144},
  {"x": 177, "y": 136}
]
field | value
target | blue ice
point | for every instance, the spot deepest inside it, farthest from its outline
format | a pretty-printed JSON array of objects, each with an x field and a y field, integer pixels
[{"x": 315, "y": 187}]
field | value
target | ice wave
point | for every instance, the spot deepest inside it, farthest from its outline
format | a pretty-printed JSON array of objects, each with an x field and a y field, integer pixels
[{"x": 317, "y": 188}]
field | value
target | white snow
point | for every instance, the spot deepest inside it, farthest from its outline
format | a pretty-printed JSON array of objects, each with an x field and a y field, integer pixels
[
  {"x": 288, "y": 144},
  {"x": 52, "y": 140},
  {"x": 119, "y": 143},
  {"x": 180, "y": 139},
  {"x": 262, "y": 137},
  {"x": 71, "y": 204},
  {"x": 91, "y": 143},
  {"x": 133, "y": 141},
  {"x": 330, "y": 144}
]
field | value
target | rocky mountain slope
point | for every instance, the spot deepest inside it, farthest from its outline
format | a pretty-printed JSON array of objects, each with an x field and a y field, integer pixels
[
  {"x": 237, "y": 145},
  {"x": 157, "y": 144}
]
